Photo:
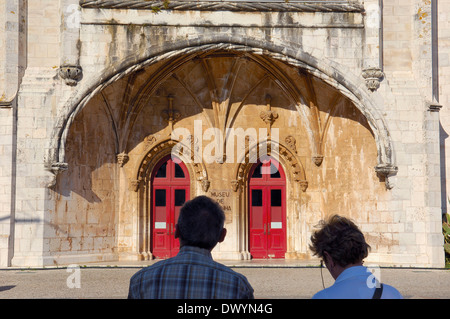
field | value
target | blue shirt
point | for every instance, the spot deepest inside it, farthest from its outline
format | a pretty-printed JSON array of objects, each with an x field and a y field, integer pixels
[
  {"x": 191, "y": 274},
  {"x": 352, "y": 283}
]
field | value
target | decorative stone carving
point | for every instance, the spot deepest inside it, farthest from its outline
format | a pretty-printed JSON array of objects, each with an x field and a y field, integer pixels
[
  {"x": 59, "y": 167},
  {"x": 205, "y": 185},
  {"x": 235, "y": 184},
  {"x": 135, "y": 184},
  {"x": 71, "y": 74},
  {"x": 303, "y": 185},
  {"x": 373, "y": 78},
  {"x": 268, "y": 116},
  {"x": 387, "y": 171},
  {"x": 318, "y": 159},
  {"x": 286, "y": 6},
  {"x": 122, "y": 159},
  {"x": 149, "y": 141},
  {"x": 291, "y": 143},
  {"x": 170, "y": 115},
  {"x": 55, "y": 169}
]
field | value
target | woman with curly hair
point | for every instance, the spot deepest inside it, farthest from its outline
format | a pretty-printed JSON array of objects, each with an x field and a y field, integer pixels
[{"x": 342, "y": 247}]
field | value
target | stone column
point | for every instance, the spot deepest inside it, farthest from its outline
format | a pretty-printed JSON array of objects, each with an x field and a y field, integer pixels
[
  {"x": 12, "y": 66},
  {"x": 373, "y": 49},
  {"x": 70, "y": 69},
  {"x": 36, "y": 111}
]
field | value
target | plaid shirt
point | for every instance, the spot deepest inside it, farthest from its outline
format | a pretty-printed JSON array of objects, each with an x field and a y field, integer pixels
[{"x": 192, "y": 274}]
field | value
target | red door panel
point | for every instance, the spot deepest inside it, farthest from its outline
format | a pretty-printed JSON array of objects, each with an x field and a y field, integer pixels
[
  {"x": 170, "y": 189},
  {"x": 267, "y": 215}
]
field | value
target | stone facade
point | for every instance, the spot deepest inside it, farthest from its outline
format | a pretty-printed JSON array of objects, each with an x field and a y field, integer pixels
[{"x": 350, "y": 98}]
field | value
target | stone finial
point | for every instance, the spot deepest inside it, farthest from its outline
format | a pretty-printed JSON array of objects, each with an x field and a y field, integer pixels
[
  {"x": 71, "y": 74},
  {"x": 373, "y": 78}
]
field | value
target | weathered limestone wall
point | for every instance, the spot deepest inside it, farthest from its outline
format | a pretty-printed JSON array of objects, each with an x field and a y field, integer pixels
[
  {"x": 443, "y": 82},
  {"x": 74, "y": 200}
]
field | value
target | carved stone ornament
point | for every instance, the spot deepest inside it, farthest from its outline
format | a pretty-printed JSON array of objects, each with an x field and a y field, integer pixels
[
  {"x": 291, "y": 143},
  {"x": 149, "y": 141},
  {"x": 373, "y": 78},
  {"x": 71, "y": 74},
  {"x": 387, "y": 171},
  {"x": 235, "y": 184},
  {"x": 135, "y": 184},
  {"x": 268, "y": 116},
  {"x": 170, "y": 115},
  {"x": 122, "y": 159},
  {"x": 303, "y": 185},
  {"x": 289, "y": 6},
  {"x": 55, "y": 169},
  {"x": 59, "y": 167},
  {"x": 205, "y": 185},
  {"x": 318, "y": 159}
]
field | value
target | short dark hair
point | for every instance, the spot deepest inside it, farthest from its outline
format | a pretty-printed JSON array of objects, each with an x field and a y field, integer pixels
[
  {"x": 200, "y": 222},
  {"x": 341, "y": 239}
]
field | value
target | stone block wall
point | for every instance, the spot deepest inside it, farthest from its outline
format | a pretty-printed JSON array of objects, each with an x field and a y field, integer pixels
[{"x": 72, "y": 55}]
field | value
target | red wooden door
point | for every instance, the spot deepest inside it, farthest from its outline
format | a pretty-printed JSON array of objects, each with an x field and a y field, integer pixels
[
  {"x": 267, "y": 213},
  {"x": 170, "y": 190}
]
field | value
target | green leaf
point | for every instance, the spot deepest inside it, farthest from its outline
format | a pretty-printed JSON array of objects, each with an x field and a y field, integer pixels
[
  {"x": 447, "y": 248},
  {"x": 446, "y": 228}
]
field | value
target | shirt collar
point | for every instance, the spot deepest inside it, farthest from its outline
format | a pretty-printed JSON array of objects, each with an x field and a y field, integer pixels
[
  {"x": 196, "y": 250},
  {"x": 352, "y": 272}
]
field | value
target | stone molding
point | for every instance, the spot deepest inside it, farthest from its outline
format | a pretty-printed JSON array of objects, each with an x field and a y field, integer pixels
[{"x": 251, "y": 6}]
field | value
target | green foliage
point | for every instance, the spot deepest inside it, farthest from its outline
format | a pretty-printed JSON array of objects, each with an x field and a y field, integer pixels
[
  {"x": 446, "y": 232},
  {"x": 158, "y": 8}
]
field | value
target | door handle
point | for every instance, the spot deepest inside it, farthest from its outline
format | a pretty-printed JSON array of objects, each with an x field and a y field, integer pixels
[{"x": 264, "y": 229}]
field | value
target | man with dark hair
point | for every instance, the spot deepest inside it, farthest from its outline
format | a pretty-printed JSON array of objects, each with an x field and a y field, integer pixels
[
  {"x": 193, "y": 274},
  {"x": 342, "y": 246}
]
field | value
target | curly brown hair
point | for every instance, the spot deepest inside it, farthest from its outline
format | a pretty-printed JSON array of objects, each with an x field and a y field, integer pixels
[{"x": 341, "y": 239}]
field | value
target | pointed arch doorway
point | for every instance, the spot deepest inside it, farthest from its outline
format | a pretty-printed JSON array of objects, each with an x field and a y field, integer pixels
[
  {"x": 170, "y": 190},
  {"x": 267, "y": 210}
]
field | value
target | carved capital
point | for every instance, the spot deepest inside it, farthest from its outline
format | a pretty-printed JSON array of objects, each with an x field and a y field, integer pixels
[
  {"x": 268, "y": 116},
  {"x": 373, "y": 78},
  {"x": 71, "y": 74},
  {"x": 318, "y": 159}
]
